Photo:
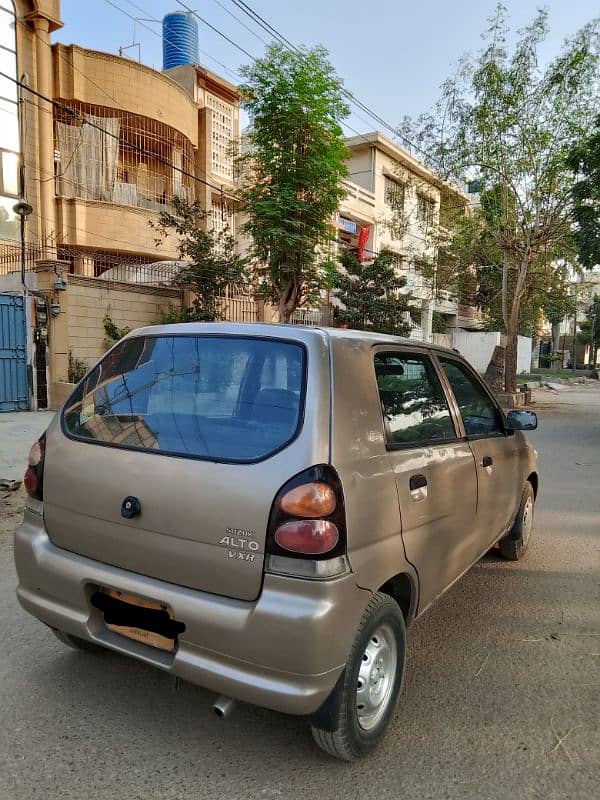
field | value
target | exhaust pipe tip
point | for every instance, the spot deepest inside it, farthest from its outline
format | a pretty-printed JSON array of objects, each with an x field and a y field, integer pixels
[{"x": 223, "y": 706}]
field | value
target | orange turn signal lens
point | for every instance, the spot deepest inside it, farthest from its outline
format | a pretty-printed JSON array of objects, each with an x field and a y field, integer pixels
[{"x": 309, "y": 500}]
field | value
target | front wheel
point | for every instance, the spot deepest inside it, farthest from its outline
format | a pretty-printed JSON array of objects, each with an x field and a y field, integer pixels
[
  {"x": 357, "y": 714},
  {"x": 516, "y": 541}
]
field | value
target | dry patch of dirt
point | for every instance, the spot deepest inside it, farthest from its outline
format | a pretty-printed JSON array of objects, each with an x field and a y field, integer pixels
[{"x": 11, "y": 510}]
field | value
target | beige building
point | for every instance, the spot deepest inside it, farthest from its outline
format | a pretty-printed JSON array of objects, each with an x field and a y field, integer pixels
[
  {"x": 106, "y": 145},
  {"x": 395, "y": 203}
]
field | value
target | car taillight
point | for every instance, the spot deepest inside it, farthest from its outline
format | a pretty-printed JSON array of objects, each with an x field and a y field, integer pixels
[
  {"x": 309, "y": 536},
  {"x": 315, "y": 499},
  {"x": 34, "y": 475},
  {"x": 308, "y": 518}
]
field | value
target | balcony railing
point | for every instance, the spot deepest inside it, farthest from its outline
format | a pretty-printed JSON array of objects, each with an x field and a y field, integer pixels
[{"x": 356, "y": 192}]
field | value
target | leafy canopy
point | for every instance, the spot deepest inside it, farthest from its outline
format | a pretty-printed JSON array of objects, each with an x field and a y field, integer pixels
[
  {"x": 590, "y": 327},
  {"x": 370, "y": 293},
  {"x": 212, "y": 263},
  {"x": 584, "y": 160},
  {"x": 507, "y": 121},
  {"x": 292, "y": 170}
]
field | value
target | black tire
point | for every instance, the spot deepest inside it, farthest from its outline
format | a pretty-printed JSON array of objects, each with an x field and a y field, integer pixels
[
  {"x": 337, "y": 728},
  {"x": 514, "y": 545},
  {"x": 75, "y": 642}
]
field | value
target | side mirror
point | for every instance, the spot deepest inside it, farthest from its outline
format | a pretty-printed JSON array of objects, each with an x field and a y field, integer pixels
[{"x": 522, "y": 420}]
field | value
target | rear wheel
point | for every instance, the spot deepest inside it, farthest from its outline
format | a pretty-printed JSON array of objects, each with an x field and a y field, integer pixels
[
  {"x": 75, "y": 642},
  {"x": 516, "y": 541},
  {"x": 357, "y": 714}
]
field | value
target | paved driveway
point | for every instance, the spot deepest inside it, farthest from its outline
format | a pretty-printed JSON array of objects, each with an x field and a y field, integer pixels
[
  {"x": 18, "y": 431},
  {"x": 502, "y": 697}
]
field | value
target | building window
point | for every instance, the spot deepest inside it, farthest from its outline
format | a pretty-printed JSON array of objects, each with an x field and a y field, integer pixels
[
  {"x": 393, "y": 194},
  {"x": 9, "y": 124},
  {"x": 348, "y": 225},
  {"x": 425, "y": 210},
  {"x": 223, "y": 136},
  {"x": 221, "y": 221}
]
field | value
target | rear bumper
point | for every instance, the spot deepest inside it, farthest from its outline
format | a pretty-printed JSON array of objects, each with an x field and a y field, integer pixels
[{"x": 284, "y": 651}]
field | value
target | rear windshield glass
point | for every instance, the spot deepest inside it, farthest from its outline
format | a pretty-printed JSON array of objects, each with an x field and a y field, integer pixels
[{"x": 221, "y": 398}]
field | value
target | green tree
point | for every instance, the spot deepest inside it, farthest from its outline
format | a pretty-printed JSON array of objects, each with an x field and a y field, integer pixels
[
  {"x": 510, "y": 122},
  {"x": 558, "y": 302},
  {"x": 370, "y": 293},
  {"x": 590, "y": 330},
  {"x": 211, "y": 263},
  {"x": 292, "y": 171},
  {"x": 584, "y": 160}
]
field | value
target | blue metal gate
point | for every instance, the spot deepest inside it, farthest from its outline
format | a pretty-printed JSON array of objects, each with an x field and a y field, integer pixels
[{"x": 14, "y": 389}]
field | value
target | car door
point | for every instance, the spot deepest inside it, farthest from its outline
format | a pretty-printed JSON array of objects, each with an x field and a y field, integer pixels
[
  {"x": 433, "y": 467},
  {"x": 495, "y": 449}
]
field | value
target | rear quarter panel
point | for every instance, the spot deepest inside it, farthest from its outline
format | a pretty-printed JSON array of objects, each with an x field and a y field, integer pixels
[{"x": 358, "y": 453}]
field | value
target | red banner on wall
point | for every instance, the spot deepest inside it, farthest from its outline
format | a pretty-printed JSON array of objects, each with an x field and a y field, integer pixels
[{"x": 363, "y": 238}]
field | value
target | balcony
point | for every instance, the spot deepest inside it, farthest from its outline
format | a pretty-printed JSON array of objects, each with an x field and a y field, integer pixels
[
  {"x": 354, "y": 192},
  {"x": 113, "y": 156}
]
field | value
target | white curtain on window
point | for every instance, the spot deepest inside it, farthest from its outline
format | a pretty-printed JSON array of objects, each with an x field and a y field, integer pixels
[{"x": 88, "y": 158}]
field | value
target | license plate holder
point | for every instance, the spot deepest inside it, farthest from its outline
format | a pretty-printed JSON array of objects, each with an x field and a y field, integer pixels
[{"x": 149, "y": 622}]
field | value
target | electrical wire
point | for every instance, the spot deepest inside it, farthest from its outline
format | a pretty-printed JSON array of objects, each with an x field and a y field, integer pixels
[
  {"x": 272, "y": 31},
  {"x": 176, "y": 46},
  {"x": 217, "y": 31},
  {"x": 241, "y": 22},
  {"x": 241, "y": 49},
  {"x": 283, "y": 40}
]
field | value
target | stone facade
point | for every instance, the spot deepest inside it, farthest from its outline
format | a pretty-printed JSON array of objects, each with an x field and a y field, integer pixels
[{"x": 91, "y": 299}]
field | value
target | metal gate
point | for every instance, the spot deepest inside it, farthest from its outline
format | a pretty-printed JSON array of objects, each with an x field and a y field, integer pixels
[{"x": 14, "y": 389}]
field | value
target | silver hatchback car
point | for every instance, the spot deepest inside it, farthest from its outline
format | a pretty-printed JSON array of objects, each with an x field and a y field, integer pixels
[{"x": 263, "y": 510}]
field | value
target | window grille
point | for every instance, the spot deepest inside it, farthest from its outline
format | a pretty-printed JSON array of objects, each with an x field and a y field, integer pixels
[
  {"x": 393, "y": 194},
  {"x": 122, "y": 158},
  {"x": 425, "y": 210},
  {"x": 222, "y": 136}
]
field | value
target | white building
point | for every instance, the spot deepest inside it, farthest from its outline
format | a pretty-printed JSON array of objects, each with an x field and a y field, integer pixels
[{"x": 385, "y": 182}]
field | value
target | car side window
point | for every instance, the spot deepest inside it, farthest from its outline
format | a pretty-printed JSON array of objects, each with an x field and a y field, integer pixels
[
  {"x": 479, "y": 414},
  {"x": 414, "y": 406}
]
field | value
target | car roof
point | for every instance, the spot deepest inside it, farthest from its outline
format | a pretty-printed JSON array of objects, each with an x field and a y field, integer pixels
[{"x": 293, "y": 332}]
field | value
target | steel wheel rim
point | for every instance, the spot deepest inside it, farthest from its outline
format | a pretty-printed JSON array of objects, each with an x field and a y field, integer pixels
[
  {"x": 527, "y": 519},
  {"x": 376, "y": 677}
]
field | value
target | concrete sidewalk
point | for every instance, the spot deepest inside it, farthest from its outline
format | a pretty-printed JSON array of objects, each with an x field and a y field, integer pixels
[{"x": 18, "y": 431}]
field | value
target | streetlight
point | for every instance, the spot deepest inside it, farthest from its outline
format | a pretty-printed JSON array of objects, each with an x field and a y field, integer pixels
[{"x": 23, "y": 209}]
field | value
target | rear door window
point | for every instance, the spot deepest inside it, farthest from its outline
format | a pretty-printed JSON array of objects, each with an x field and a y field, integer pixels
[
  {"x": 414, "y": 406},
  {"x": 219, "y": 398}
]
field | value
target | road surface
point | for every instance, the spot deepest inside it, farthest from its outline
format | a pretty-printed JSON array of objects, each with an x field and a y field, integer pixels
[{"x": 502, "y": 697}]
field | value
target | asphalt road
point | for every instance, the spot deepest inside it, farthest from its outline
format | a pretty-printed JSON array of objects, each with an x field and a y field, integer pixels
[{"x": 502, "y": 697}]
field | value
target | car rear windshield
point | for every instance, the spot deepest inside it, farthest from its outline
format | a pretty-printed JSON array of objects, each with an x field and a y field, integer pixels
[{"x": 214, "y": 397}]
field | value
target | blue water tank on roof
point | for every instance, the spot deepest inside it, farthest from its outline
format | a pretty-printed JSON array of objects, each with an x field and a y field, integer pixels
[{"x": 180, "y": 39}]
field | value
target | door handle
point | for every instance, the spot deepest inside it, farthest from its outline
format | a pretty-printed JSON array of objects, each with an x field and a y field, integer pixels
[
  {"x": 417, "y": 482},
  {"x": 487, "y": 461}
]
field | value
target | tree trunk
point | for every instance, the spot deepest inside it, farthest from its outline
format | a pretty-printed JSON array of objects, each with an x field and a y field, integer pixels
[
  {"x": 555, "y": 337},
  {"x": 510, "y": 356},
  {"x": 285, "y": 313},
  {"x": 512, "y": 323},
  {"x": 287, "y": 303}
]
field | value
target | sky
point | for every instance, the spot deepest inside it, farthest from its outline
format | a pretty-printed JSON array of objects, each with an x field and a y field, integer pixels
[{"x": 392, "y": 54}]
